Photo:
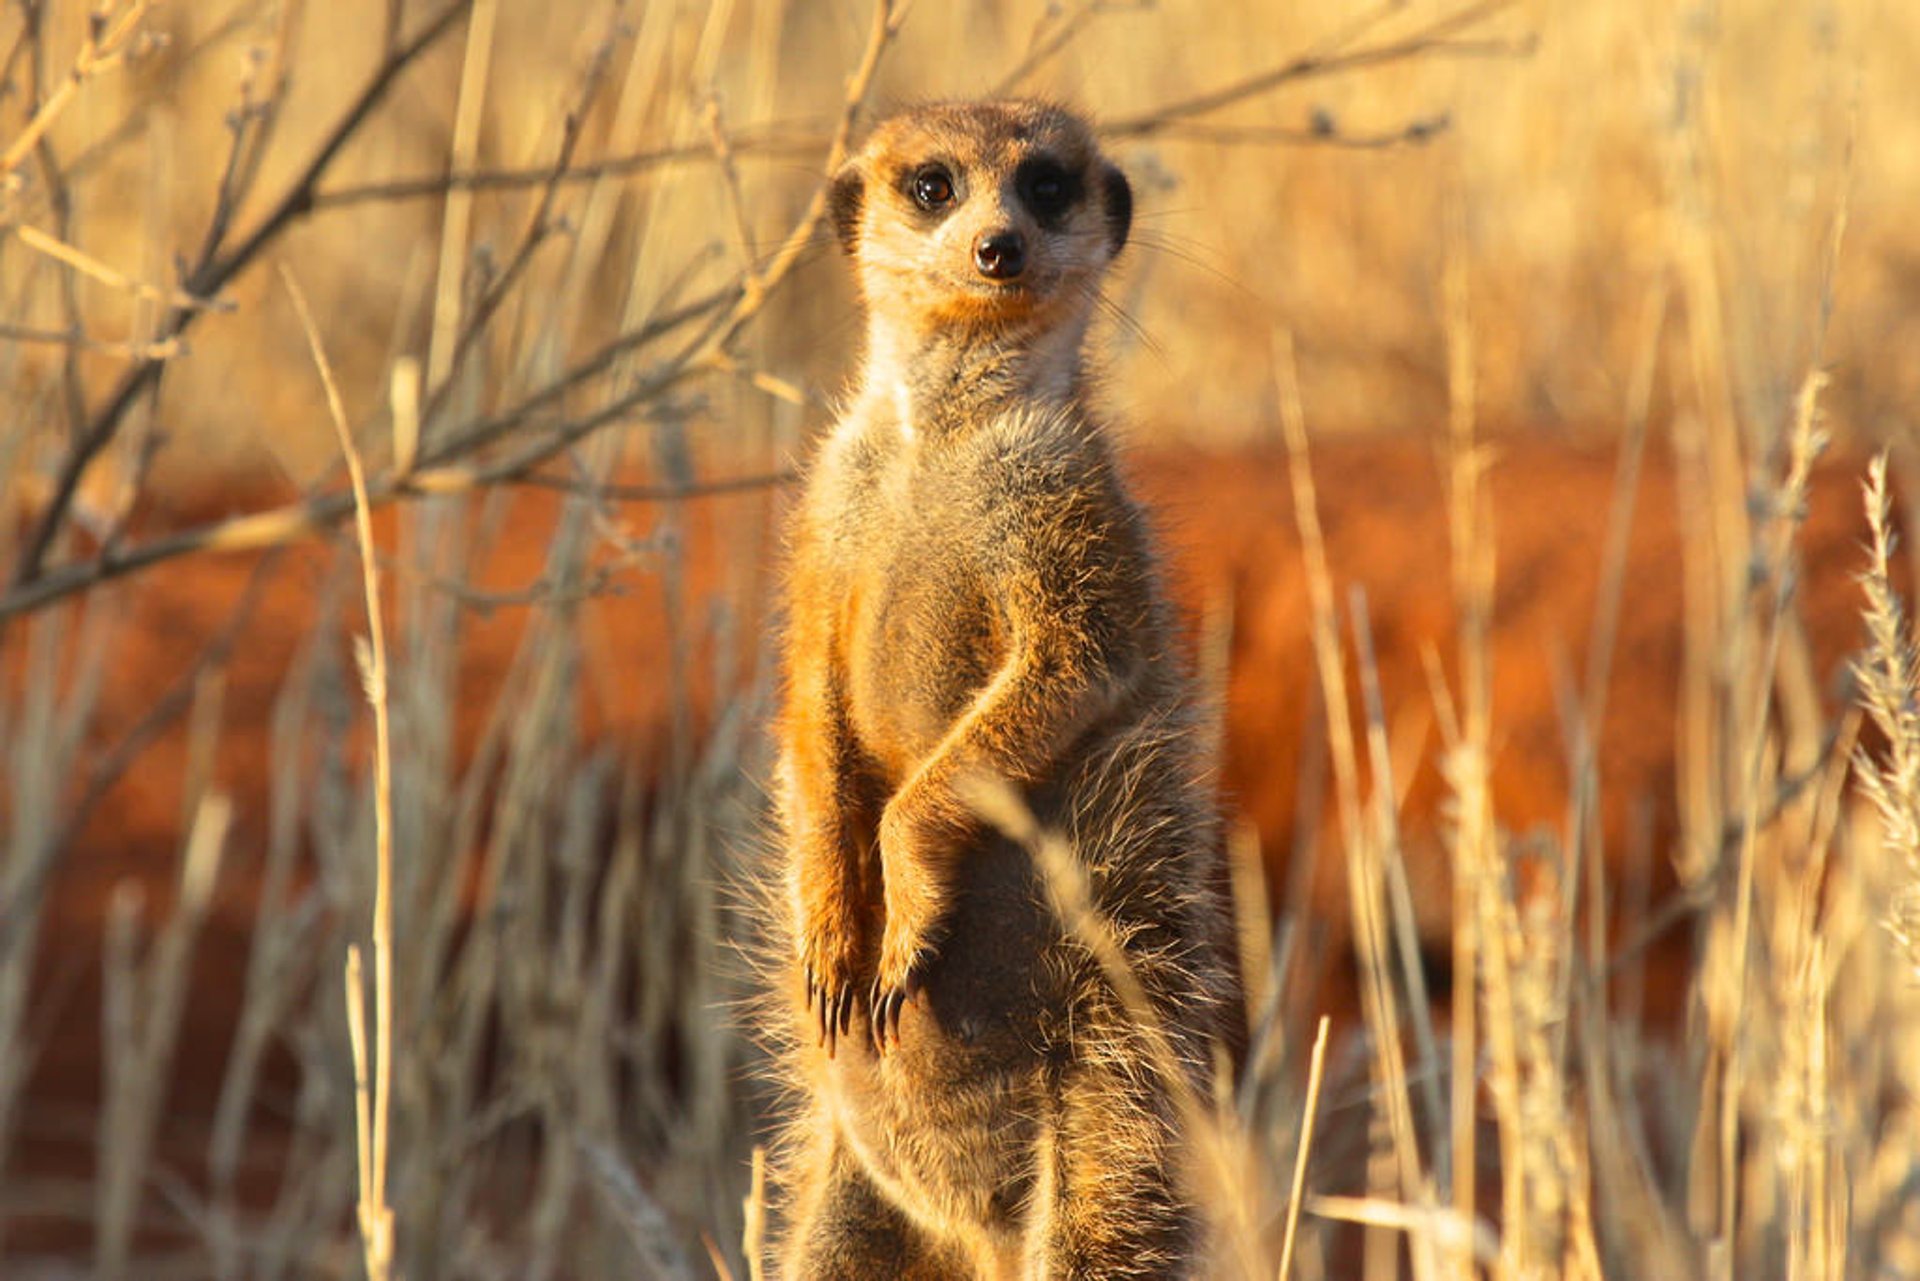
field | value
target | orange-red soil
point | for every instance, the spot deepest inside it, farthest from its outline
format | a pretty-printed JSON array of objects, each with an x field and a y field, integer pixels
[{"x": 1229, "y": 524}]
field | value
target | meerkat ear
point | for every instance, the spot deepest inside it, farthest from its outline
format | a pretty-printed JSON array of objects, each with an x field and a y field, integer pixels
[
  {"x": 843, "y": 206},
  {"x": 1118, "y": 199}
]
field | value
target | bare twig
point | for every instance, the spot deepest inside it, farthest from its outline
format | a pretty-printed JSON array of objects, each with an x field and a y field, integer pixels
[
  {"x": 441, "y": 372},
  {"x": 84, "y": 342},
  {"x": 1437, "y": 37},
  {"x": 1321, "y": 131},
  {"x": 768, "y": 141},
  {"x": 723, "y": 156},
  {"x": 450, "y": 291},
  {"x": 106, "y": 46},
  {"x": 1054, "y": 34},
  {"x": 87, "y": 265},
  {"x": 136, "y": 121},
  {"x": 658, "y": 493}
]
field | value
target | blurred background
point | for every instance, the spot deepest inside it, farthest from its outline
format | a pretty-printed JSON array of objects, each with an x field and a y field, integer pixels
[{"x": 1547, "y": 281}]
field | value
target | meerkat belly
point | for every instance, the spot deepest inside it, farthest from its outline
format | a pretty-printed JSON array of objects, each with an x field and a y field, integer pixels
[
  {"x": 925, "y": 640},
  {"x": 949, "y": 1116}
]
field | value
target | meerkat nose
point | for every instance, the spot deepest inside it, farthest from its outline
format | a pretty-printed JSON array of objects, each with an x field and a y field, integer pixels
[{"x": 1000, "y": 255}]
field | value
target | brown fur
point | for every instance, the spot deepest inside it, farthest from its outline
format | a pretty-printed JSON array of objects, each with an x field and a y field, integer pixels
[{"x": 973, "y": 592}]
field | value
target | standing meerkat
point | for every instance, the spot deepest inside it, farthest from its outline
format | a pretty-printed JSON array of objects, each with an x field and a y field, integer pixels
[{"x": 972, "y": 592}]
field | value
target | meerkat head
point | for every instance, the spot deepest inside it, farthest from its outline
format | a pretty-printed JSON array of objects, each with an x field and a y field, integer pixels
[{"x": 981, "y": 215}]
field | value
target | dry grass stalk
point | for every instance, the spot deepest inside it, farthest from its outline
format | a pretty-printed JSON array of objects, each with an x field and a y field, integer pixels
[
  {"x": 451, "y": 278},
  {"x": 1309, "y": 1111},
  {"x": 146, "y": 993},
  {"x": 1365, "y": 876},
  {"x": 1889, "y": 677},
  {"x": 1804, "y": 442},
  {"x": 376, "y": 1215},
  {"x": 1217, "y": 1154},
  {"x": 1466, "y": 767},
  {"x": 753, "y": 1239}
]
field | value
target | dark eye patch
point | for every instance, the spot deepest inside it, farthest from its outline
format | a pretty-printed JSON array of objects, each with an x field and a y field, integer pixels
[{"x": 1047, "y": 187}]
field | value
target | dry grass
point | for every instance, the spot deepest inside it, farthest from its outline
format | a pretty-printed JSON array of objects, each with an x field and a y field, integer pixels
[{"x": 1686, "y": 227}]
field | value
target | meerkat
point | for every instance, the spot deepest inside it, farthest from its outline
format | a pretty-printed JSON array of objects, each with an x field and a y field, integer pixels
[{"x": 972, "y": 592}]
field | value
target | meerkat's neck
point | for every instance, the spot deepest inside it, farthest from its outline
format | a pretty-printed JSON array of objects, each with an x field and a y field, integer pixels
[{"x": 937, "y": 382}]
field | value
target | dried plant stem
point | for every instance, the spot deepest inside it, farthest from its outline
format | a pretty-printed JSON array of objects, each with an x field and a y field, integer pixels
[
  {"x": 1889, "y": 678},
  {"x": 1308, "y": 1111},
  {"x": 1365, "y": 881},
  {"x": 147, "y": 993},
  {"x": 376, "y": 1216},
  {"x": 1475, "y": 879},
  {"x": 753, "y": 1236},
  {"x": 458, "y": 214},
  {"x": 1804, "y": 442}
]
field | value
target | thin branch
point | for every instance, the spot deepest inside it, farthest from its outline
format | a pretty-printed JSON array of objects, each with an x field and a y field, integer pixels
[
  {"x": 723, "y": 155},
  {"x": 658, "y": 493},
  {"x": 1435, "y": 38},
  {"x": 768, "y": 142},
  {"x": 1320, "y": 132},
  {"x": 60, "y": 338},
  {"x": 598, "y": 581},
  {"x": 87, "y": 265},
  {"x": 179, "y": 60},
  {"x": 437, "y": 473},
  {"x": 539, "y": 228},
  {"x": 59, "y": 196},
  {"x": 1047, "y": 43},
  {"x": 109, "y": 42}
]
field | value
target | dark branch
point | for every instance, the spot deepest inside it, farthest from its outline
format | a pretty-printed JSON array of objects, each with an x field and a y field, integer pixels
[{"x": 1436, "y": 37}]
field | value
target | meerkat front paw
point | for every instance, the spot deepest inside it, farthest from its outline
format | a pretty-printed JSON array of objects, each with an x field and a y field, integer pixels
[
  {"x": 829, "y": 954},
  {"x": 915, "y": 905},
  {"x": 897, "y": 983}
]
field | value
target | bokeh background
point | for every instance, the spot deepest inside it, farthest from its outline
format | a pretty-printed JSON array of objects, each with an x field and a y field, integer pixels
[{"x": 1547, "y": 279}]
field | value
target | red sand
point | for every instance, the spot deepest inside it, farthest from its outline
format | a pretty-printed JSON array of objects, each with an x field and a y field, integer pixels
[{"x": 1230, "y": 524}]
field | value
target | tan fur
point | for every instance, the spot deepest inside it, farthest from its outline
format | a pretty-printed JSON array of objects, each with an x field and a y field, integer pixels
[{"x": 972, "y": 591}]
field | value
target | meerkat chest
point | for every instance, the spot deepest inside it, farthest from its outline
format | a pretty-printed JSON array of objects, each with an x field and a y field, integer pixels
[{"x": 922, "y": 622}]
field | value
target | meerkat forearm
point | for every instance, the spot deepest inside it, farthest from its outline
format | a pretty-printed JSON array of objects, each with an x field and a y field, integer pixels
[
  {"x": 825, "y": 882},
  {"x": 1015, "y": 732}
]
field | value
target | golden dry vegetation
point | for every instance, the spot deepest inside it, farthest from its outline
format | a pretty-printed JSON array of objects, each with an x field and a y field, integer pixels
[{"x": 1569, "y": 298}]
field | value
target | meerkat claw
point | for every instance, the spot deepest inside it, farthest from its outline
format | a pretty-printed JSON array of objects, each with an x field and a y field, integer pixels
[{"x": 886, "y": 1003}]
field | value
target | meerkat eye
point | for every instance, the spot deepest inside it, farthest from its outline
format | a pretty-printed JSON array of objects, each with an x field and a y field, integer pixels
[{"x": 931, "y": 188}]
